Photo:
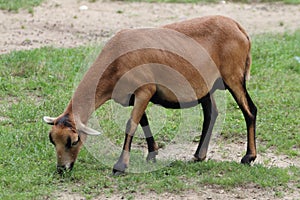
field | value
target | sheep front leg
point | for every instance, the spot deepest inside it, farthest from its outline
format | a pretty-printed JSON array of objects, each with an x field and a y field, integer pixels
[
  {"x": 141, "y": 101},
  {"x": 123, "y": 161}
]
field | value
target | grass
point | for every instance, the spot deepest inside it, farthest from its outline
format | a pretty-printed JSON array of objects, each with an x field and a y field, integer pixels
[
  {"x": 41, "y": 81},
  {"x": 15, "y": 5}
]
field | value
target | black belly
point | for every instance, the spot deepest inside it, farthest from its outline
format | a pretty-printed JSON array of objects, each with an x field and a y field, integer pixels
[{"x": 156, "y": 99}]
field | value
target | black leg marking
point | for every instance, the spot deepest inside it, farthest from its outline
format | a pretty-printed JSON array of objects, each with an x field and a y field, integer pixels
[
  {"x": 122, "y": 164},
  {"x": 141, "y": 100},
  {"x": 152, "y": 146}
]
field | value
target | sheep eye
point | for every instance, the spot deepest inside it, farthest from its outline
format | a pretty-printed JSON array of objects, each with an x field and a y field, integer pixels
[
  {"x": 74, "y": 143},
  {"x": 70, "y": 143}
]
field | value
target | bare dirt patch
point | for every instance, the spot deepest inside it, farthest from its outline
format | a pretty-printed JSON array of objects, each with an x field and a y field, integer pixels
[
  {"x": 208, "y": 192},
  {"x": 61, "y": 23},
  {"x": 224, "y": 151}
]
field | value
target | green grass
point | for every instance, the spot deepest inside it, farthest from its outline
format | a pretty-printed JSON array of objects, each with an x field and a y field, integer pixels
[
  {"x": 40, "y": 82},
  {"x": 15, "y": 5}
]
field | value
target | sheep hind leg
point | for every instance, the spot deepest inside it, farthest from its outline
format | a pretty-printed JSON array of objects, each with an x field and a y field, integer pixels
[
  {"x": 152, "y": 146},
  {"x": 241, "y": 96},
  {"x": 210, "y": 113}
]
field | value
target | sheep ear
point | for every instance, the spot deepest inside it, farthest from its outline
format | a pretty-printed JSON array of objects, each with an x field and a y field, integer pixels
[
  {"x": 49, "y": 120},
  {"x": 87, "y": 130}
]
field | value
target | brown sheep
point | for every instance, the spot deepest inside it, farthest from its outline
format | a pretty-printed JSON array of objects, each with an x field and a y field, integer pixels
[{"x": 177, "y": 66}]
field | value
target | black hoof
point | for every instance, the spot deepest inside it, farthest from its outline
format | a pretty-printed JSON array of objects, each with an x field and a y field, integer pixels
[
  {"x": 198, "y": 159},
  {"x": 117, "y": 172},
  {"x": 119, "y": 168},
  {"x": 247, "y": 159},
  {"x": 151, "y": 157}
]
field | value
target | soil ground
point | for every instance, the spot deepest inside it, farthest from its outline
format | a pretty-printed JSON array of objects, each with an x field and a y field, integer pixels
[{"x": 61, "y": 23}]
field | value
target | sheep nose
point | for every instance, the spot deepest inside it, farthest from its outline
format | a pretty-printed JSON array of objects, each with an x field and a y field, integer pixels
[
  {"x": 60, "y": 169},
  {"x": 63, "y": 168}
]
